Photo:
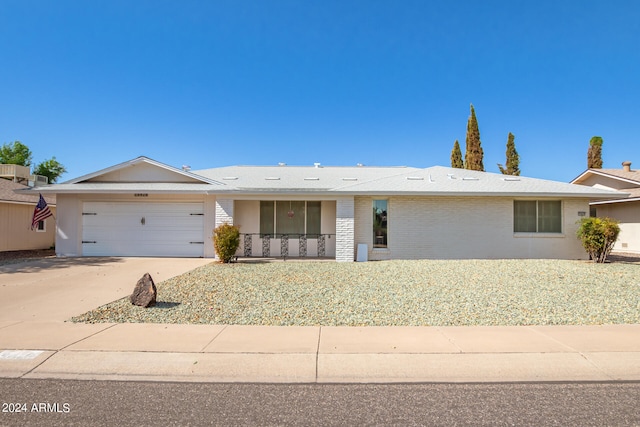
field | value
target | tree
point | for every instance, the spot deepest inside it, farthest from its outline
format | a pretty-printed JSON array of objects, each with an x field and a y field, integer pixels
[
  {"x": 456, "y": 156},
  {"x": 598, "y": 236},
  {"x": 594, "y": 155},
  {"x": 474, "y": 154},
  {"x": 513, "y": 159},
  {"x": 15, "y": 153},
  {"x": 51, "y": 168}
]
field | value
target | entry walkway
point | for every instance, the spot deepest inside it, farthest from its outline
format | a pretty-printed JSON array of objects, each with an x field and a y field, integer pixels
[{"x": 35, "y": 341}]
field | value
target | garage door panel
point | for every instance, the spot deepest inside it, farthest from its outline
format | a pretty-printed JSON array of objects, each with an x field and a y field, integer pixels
[{"x": 143, "y": 229}]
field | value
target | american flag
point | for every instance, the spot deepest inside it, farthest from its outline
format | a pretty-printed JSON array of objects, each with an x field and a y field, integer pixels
[{"x": 41, "y": 212}]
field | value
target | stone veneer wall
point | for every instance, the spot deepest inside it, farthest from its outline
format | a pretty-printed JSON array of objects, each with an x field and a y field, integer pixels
[
  {"x": 224, "y": 213},
  {"x": 345, "y": 222}
]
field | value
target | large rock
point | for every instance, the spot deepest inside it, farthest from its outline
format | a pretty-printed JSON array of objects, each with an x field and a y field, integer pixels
[{"x": 145, "y": 292}]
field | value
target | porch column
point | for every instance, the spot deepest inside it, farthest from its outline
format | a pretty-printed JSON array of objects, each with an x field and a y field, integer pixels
[
  {"x": 345, "y": 237},
  {"x": 224, "y": 212}
]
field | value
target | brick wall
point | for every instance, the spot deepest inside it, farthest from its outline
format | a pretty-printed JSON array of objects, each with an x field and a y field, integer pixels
[{"x": 463, "y": 227}]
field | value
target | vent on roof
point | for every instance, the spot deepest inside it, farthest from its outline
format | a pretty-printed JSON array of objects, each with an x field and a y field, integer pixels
[
  {"x": 272, "y": 178},
  {"x": 349, "y": 179},
  {"x": 415, "y": 178},
  {"x": 282, "y": 164},
  {"x": 316, "y": 165},
  {"x": 507, "y": 178},
  {"x": 312, "y": 179},
  {"x": 229, "y": 178},
  {"x": 470, "y": 178},
  {"x": 450, "y": 176}
]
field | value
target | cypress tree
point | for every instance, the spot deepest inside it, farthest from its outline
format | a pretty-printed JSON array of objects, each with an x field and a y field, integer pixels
[
  {"x": 456, "y": 156},
  {"x": 594, "y": 155},
  {"x": 513, "y": 159},
  {"x": 473, "y": 156}
]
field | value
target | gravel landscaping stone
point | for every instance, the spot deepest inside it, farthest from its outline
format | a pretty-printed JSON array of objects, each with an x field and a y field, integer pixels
[
  {"x": 393, "y": 293},
  {"x": 13, "y": 257}
]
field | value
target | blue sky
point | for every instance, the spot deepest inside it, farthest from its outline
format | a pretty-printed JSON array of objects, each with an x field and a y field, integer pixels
[{"x": 217, "y": 83}]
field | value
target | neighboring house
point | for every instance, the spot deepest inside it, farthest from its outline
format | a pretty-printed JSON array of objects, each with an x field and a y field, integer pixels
[
  {"x": 16, "y": 212},
  {"x": 146, "y": 208},
  {"x": 626, "y": 209}
]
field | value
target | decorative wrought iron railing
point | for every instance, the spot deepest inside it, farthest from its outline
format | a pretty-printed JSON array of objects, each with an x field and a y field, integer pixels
[{"x": 319, "y": 249}]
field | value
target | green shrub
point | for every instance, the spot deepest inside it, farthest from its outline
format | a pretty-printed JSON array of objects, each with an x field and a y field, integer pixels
[
  {"x": 598, "y": 236},
  {"x": 226, "y": 240}
]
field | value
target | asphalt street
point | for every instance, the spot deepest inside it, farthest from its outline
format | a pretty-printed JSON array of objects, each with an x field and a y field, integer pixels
[{"x": 109, "y": 403}]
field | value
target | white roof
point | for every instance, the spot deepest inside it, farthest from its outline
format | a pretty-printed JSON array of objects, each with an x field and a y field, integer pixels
[
  {"x": 320, "y": 180},
  {"x": 402, "y": 180},
  {"x": 298, "y": 178}
]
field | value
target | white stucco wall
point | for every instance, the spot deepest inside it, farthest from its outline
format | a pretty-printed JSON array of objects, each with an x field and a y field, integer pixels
[
  {"x": 628, "y": 213},
  {"x": 247, "y": 216},
  {"x": 209, "y": 225},
  {"x": 464, "y": 227},
  {"x": 69, "y": 225}
]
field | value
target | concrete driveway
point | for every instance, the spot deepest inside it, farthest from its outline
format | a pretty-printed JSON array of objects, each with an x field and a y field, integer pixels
[
  {"x": 37, "y": 298},
  {"x": 56, "y": 289}
]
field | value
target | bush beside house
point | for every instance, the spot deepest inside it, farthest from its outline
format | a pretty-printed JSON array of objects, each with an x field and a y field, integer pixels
[
  {"x": 598, "y": 235},
  {"x": 226, "y": 240}
]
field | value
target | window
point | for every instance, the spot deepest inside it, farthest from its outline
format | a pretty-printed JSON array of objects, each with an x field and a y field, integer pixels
[
  {"x": 267, "y": 218},
  {"x": 313, "y": 218},
  {"x": 290, "y": 217},
  {"x": 380, "y": 224},
  {"x": 537, "y": 216},
  {"x": 41, "y": 226}
]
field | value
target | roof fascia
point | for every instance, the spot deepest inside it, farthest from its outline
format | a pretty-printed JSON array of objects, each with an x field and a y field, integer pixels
[
  {"x": 342, "y": 193},
  {"x": 604, "y": 174},
  {"x": 124, "y": 191},
  {"x": 579, "y": 177},
  {"x": 16, "y": 202},
  {"x": 608, "y": 202}
]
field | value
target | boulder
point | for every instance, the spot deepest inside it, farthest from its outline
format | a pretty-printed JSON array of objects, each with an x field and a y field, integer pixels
[{"x": 145, "y": 292}]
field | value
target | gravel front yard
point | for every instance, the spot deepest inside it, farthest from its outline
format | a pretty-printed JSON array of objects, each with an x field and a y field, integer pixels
[{"x": 428, "y": 292}]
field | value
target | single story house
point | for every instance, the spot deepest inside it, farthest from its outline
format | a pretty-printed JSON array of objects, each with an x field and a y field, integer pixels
[
  {"x": 145, "y": 208},
  {"x": 16, "y": 213},
  {"x": 626, "y": 209}
]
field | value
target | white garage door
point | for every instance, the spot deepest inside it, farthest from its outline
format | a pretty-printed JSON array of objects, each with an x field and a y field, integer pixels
[{"x": 142, "y": 229}]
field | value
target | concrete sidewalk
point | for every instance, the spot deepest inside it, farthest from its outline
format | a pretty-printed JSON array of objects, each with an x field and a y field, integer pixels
[{"x": 36, "y": 342}]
